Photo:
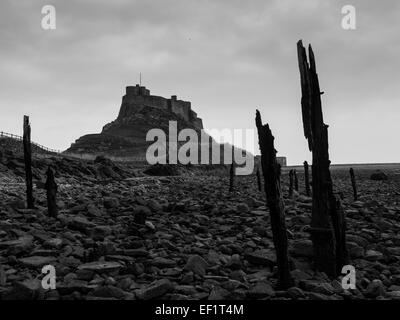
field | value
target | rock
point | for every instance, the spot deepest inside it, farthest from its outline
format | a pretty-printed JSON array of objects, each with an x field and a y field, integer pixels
[
  {"x": 302, "y": 248},
  {"x": 36, "y": 261},
  {"x": 154, "y": 205},
  {"x": 197, "y": 265},
  {"x": 110, "y": 202},
  {"x": 162, "y": 170},
  {"x": 15, "y": 247},
  {"x": 394, "y": 295},
  {"x": 261, "y": 257},
  {"x": 355, "y": 250},
  {"x": 378, "y": 176},
  {"x": 140, "y": 214},
  {"x": 218, "y": 293},
  {"x": 80, "y": 224},
  {"x": 100, "y": 266},
  {"x": 242, "y": 208},
  {"x": 26, "y": 290},
  {"x": 317, "y": 287},
  {"x": 394, "y": 251},
  {"x": 375, "y": 289},
  {"x": 100, "y": 232},
  {"x": 235, "y": 262},
  {"x": 155, "y": 289},
  {"x": 261, "y": 290},
  {"x": 295, "y": 293},
  {"x": 108, "y": 291},
  {"x": 373, "y": 255},
  {"x": 163, "y": 262}
]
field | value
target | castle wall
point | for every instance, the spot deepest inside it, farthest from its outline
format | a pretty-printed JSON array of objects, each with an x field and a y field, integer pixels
[
  {"x": 138, "y": 95},
  {"x": 181, "y": 108}
]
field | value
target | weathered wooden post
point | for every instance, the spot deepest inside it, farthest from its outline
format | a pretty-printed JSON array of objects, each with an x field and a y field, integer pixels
[
  {"x": 28, "y": 163},
  {"x": 296, "y": 180},
  {"x": 51, "y": 189},
  {"x": 353, "y": 184},
  {"x": 291, "y": 183},
  {"x": 272, "y": 186},
  {"x": 232, "y": 171},
  {"x": 327, "y": 243},
  {"x": 258, "y": 179},
  {"x": 307, "y": 179},
  {"x": 231, "y": 177}
]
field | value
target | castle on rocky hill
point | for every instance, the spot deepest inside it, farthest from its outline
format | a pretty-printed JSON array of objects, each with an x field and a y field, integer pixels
[{"x": 140, "y": 96}]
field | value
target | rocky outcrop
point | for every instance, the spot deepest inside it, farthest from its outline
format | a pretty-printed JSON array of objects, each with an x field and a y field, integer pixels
[{"x": 139, "y": 113}]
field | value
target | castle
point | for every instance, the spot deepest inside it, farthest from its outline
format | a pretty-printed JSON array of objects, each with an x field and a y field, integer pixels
[{"x": 140, "y": 96}]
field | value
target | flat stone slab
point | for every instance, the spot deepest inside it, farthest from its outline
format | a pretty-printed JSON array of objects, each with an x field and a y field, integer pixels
[
  {"x": 36, "y": 261},
  {"x": 101, "y": 266}
]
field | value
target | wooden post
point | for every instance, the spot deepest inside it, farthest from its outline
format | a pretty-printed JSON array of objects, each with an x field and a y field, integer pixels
[
  {"x": 272, "y": 186},
  {"x": 307, "y": 178},
  {"x": 328, "y": 248},
  {"x": 28, "y": 163},
  {"x": 232, "y": 172},
  {"x": 259, "y": 179},
  {"x": 291, "y": 183},
  {"x": 353, "y": 184},
  {"x": 51, "y": 188},
  {"x": 296, "y": 180}
]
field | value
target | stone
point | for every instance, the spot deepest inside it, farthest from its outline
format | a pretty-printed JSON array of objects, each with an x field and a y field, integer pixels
[
  {"x": 20, "y": 245},
  {"x": 81, "y": 224},
  {"x": 26, "y": 290},
  {"x": 100, "y": 266},
  {"x": 379, "y": 176},
  {"x": 197, "y": 265},
  {"x": 262, "y": 289},
  {"x": 302, "y": 248},
  {"x": 261, "y": 257},
  {"x": 163, "y": 262},
  {"x": 110, "y": 202},
  {"x": 36, "y": 261},
  {"x": 375, "y": 289},
  {"x": 373, "y": 255},
  {"x": 218, "y": 293},
  {"x": 108, "y": 291},
  {"x": 155, "y": 289},
  {"x": 100, "y": 232},
  {"x": 295, "y": 293}
]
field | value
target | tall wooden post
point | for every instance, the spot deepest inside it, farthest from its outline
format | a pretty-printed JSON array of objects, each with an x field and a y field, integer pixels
[
  {"x": 353, "y": 184},
  {"x": 296, "y": 180},
  {"x": 328, "y": 249},
  {"x": 307, "y": 179},
  {"x": 258, "y": 179},
  {"x": 28, "y": 163},
  {"x": 272, "y": 186},
  {"x": 51, "y": 188},
  {"x": 232, "y": 172},
  {"x": 291, "y": 183}
]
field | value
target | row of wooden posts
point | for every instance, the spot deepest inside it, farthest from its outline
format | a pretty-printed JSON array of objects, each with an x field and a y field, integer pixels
[
  {"x": 50, "y": 185},
  {"x": 328, "y": 226}
]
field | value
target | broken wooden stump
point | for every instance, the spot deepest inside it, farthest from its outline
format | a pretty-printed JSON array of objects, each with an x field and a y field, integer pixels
[
  {"x": 326, "y": 226},
  {"x": 231, "y": 177},
  {"x": 353, "y": 184},
  {"x": 307, "y": 179},
  {"x": 272, "y": 186},
  {"x": 258, "y": 179},
  {"x": 296, "y": 180},
  {"x": 28, "y": 163},
  {"x": 291, "y": 183},
  {"x": 51, "y": 190}
]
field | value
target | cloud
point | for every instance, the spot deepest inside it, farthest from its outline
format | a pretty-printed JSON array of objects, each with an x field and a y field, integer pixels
[{"x": 227, "y": 57}]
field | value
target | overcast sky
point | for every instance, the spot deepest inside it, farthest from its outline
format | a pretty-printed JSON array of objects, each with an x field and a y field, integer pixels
[{"x": 226, "y": 57}]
